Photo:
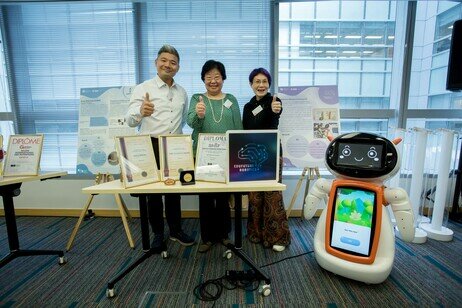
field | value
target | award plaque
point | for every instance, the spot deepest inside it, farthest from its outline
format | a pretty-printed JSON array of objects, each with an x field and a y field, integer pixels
[
  {"x": 23, "y": 156},
  {"x": 176, "y": 154},
  {"x": 137, "y": 161},
  {"x": 187, "y": 177}
]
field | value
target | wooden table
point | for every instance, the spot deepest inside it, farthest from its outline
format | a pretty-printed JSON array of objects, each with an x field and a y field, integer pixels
[
  {"x": 116, "y": 187},
  {"x": 9, "y": 188}
]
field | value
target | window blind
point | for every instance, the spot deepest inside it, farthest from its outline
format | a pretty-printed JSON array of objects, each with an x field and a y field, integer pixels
[{"x": 57, "y": 48}]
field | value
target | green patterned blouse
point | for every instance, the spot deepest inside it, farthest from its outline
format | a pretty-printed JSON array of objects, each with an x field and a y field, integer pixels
[{"x": 220, "y": 116}]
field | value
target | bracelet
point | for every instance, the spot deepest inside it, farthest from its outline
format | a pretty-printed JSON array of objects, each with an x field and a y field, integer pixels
[{"x": 169, "y": 182}]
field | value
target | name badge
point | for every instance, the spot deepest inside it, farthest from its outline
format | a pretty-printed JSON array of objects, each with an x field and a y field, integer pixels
[
  {"x": 257, "y": 110},
  {"x": 228, "y": 103}
]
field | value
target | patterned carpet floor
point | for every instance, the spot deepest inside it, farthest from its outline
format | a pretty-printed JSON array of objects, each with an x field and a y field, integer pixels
[{"x": 425, "y": 275}]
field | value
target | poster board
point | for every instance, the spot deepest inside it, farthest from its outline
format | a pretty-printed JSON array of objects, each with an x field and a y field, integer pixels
[
  {"x": 23, "y": 155},
  {"x": 137, "y": 161},
  {"x": 211, "y": 158},
  {"x": 253, "y": 155},
  {"x": 101, "y": 119},
  {"x": 309, "y": 114}
]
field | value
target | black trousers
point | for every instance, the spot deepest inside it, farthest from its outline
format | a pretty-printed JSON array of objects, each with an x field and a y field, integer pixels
[
  {"x": 156, "y": 206},
  {"x": 214, "y": 216}
]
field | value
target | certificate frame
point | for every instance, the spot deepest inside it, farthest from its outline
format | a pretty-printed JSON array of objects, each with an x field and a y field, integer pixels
[
  {"x": 176, "y": 155},
  {"x": 137, "y": 161},
  {"x": 23, "y": 155},
  {"x": 253, "y": 156},
  {"x": 211, "y": 153}
]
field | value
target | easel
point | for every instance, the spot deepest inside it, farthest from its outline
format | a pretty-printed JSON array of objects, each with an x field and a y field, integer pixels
[
  {"x": 311, "y": 173},
  {"x": 104, "y": 178}
]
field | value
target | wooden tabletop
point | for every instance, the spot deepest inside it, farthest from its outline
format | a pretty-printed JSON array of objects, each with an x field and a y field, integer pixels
[{"x": 116, "y": 187}]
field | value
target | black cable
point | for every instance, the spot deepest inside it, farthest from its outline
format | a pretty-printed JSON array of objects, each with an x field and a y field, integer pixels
[
  {"x": 287, "y": 258},
  {"x": 211, "y": 290}
]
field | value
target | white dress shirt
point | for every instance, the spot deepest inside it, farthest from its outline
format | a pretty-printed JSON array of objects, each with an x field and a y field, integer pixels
[{"x": 170, "y": 108}]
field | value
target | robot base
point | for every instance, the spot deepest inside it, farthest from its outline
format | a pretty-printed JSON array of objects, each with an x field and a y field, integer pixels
[{"x": 373, "y": 273}]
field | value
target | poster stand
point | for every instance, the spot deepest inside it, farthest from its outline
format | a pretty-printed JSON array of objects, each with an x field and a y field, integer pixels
[
  {"x": 311, "y": 173},
  {"x": 124, "y": 213}
]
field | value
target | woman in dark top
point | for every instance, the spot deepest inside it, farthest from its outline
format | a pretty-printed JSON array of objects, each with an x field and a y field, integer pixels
[{"x": 267, "y": 222}]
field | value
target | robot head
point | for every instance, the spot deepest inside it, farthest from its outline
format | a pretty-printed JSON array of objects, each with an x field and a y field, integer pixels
[{"x": 364, "y": 156}]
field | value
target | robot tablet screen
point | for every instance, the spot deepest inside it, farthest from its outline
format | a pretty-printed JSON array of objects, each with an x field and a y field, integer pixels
[
  {"x": 360, "y": 155},
  {"x": 353, "y": 221}
]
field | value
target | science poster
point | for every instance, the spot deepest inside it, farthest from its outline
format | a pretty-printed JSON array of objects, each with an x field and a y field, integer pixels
[
  {"x": 309, "y": 114},
  {"x": 101, "y": 118}
]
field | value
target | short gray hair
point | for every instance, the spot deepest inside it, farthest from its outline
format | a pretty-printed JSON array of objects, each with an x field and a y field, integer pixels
[{"x": 168, "y": 49}]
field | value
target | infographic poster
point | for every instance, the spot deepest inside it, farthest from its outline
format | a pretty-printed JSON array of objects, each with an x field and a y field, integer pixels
[
  {"x": 102, "y": 117},
  {"x": 309, "y": 114}
]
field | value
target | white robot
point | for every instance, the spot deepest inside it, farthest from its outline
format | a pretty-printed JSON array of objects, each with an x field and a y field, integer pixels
[{"x": 354, "y": 236}]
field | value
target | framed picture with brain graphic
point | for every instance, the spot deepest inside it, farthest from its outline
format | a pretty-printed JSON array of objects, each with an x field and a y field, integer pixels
[{"x": 253, "y": 155}]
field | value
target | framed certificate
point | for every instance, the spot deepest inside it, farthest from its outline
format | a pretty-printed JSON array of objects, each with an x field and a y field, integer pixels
[
  {"x": 23, "y": 155},
  {"x": 211, "y": 158},
  {"x": 253, "y": 155},
  {"x": 137, "y": 161},
  {"x": 176, "y": 155}
]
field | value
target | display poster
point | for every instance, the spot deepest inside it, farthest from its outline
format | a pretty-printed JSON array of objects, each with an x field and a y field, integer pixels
[
  {"x": 101, "y": 118},
  {"x": 23, "y": 155},
  {"x": 211, "y": 158},
  {"x": 309, "y": 114},
  {"x": 176, "y": 155},
  {"x": 137, "y": 160},
  {"x": 253, "y": 155}
]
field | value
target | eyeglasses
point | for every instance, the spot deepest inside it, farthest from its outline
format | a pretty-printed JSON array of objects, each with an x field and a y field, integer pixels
[
  {"x": 210, "y": 78},
  {"x": 260, "y": 81}
]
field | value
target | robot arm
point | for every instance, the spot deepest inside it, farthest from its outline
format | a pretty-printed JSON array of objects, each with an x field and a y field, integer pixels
[
  {"x": 319, "y": 191},
  {"x": 399, "y": 202}
]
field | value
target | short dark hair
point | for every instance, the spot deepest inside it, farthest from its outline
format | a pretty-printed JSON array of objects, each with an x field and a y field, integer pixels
[
  {"x": 210, "y": 65},
  {"x": 257, "y": 71},
  {"x": 168, "y": 49}
]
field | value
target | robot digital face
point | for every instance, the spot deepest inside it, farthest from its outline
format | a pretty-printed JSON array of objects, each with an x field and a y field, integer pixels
[{"x": 360, "y": 155}]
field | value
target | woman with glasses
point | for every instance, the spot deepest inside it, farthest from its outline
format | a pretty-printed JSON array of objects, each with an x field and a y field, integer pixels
[
  {"x": 213, "y": 112},
  {"x": 267, "y": 222}
]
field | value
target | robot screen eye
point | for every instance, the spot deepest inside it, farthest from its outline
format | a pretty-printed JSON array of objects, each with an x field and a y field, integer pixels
[{"x": 360, "y": 155}]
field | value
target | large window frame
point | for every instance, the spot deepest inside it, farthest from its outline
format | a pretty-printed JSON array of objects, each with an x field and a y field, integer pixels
[{"x": 396, "y": 112}]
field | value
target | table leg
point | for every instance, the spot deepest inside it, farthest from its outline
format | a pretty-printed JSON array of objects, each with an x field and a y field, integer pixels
[
  {"x": 237, "y": 246},
  {"x": 8, "y": 192},
  {"x": 79, "y": 222},
  {"x": 124, "y": 220},
  {"x": 148, "y": 251}
]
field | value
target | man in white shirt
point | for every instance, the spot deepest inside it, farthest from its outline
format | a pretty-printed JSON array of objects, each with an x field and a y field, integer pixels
[{"x": 159, "y": 106}]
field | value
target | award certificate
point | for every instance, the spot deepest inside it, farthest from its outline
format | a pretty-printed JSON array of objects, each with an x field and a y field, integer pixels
[
  {"x": 23, "y": 155},
  {"x": 137, "y": 160},
  {"x": 211, "y": 158},
  {"x": 176, "y": 155}
]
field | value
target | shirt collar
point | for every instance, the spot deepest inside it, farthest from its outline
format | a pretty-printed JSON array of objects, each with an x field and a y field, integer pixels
[{"x": 160, "y": 83}]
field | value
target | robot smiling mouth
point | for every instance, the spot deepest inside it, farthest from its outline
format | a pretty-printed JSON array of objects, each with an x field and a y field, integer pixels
[{"x": 362, "y": 158}]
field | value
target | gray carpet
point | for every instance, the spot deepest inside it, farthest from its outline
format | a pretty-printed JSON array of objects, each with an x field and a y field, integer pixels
[{"x": 427, "y": 275}]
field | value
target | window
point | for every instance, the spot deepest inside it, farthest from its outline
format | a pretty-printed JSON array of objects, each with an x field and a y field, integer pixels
[
  {"x": 428, "y": 93},
  {"x": 56, "y": 48},
  {"x": 54, "y": 51},
  {"x": 352, "y": 47}
]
